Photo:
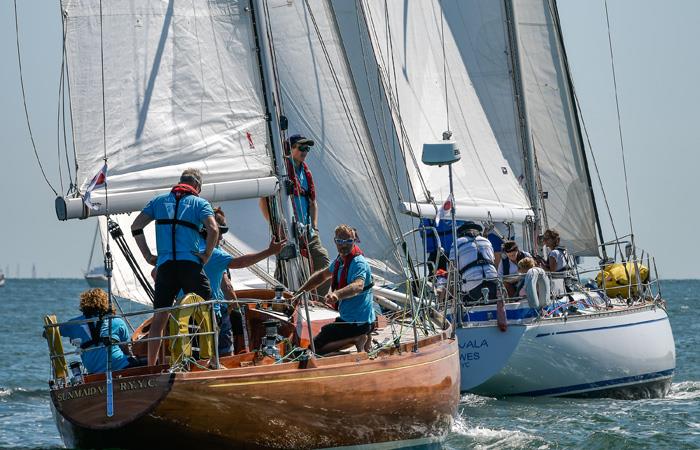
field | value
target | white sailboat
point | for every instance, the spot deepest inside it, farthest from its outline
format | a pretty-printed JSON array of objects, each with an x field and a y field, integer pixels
[
  {"x": 495, "y": 75},
  {"x": 95, "y": 275}
]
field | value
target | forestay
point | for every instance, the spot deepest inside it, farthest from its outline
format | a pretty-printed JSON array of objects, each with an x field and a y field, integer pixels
[
  {"x": 181, "y": 89},
  {"x": 484, "y": 39},
  {"x": 406, "y": 57}
]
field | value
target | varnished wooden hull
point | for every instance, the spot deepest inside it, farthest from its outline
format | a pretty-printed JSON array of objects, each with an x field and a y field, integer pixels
[{"x": 345, "y": 400}]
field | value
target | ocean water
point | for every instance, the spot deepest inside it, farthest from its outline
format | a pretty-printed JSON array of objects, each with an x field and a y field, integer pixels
[{"x": 484, "y": 423}]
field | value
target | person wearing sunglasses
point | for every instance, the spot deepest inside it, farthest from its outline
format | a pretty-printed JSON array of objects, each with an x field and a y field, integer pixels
[
  {"x": 351, "y": 286},
  {"x": 301, "y": 187}
]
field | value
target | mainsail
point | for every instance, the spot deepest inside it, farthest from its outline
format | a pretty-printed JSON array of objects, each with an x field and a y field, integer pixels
[
  {"x": 497, "y": 40},
  {"x": 410, "y": 72},
  {"x": 181, "y": 89}
]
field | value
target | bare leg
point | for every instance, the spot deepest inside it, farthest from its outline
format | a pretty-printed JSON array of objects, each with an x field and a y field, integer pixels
[{"x": 156, "y": 331}]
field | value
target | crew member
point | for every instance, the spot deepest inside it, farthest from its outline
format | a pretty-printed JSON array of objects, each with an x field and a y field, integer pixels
[
  {"x": 351, "y": 279},
  {"x": 436, "y": 247},
  {"x": 475, "y": 263},
  {"x": 508, "y": 265},
  {"x": 303, "y": 193},
  {"x": 94, "y": 303},
  {"x": 558, "y": 257},
  {"x": 179, "y": 215},
  {"x": 216, "y": 271}
]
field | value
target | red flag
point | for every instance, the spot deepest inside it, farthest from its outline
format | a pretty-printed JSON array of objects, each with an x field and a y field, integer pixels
[
  {"x": 98, "y": 181},
  {"x": 445, "y": 210}
]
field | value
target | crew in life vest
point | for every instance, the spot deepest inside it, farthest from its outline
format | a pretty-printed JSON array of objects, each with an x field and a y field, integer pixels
[
  {"x": 94, "y": 303},
  {"x": 351, "y": 278},
  {"x": 508, "y": 265},
  {"x": 179, "y": 215},
  {"x": 475, "y": 263},
  {"x": 303, "y": 191},
  {"x": 558, "y": 257}
]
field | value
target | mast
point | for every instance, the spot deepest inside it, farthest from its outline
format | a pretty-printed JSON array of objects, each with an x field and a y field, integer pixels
[
  {"x": 530, "y": 165},
  {"x": 579, "y": 135},
  {"x": 272, "y": 103}
]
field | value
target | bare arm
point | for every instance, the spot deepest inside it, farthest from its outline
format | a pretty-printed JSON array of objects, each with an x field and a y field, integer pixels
[
  {"x": 227, "y": 287},
  {"x": 212, "y": 238},
  {"x": 137, "y": 226},
  {"x": 248, "y": 260},
  {"x": 351, "y": 290},
  {"x": 552, "y": 264},
  {"x": 313, "y": 213},
  {"x": 315, "y": 279}
]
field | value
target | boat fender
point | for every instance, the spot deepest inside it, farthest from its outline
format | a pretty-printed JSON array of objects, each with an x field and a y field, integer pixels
[
  {"x": 53, "y": 337},
  {"x": 537, "y": 288},
  {"x": 501, "y": 318}
]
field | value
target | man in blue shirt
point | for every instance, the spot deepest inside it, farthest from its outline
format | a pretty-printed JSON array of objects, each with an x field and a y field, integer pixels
[
  {"x": 95, "y": 304},
  {"x": 303, "y": 191},
  {"x": 351, "y": 279},
  {"x": 216, "y": 268},
  {"x": 179, "y": 215}
]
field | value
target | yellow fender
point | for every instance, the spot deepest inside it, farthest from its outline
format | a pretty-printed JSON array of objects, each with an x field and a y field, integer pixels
[
  {"x": 179, "y": 325},
  {"x": 619, "y": 276},
  {"x": 53, "y": 337}
]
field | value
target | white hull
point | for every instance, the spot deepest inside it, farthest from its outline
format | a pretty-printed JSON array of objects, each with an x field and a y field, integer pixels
[{"x": 626, "y": 353}]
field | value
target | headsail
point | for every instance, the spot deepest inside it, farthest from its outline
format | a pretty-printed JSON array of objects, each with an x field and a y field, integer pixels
[
  {"x": 181, "y": 89},
  {"x": 319, "y": 99},
  {"x": 484, "y": 38},
  {"x": 407, "y": 59}
]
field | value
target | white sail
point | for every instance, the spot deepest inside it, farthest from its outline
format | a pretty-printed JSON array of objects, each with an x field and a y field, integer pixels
[
  {"x": 181, "y": 89},
  {"x": 319, "y": 99},
  {"x": 407, "y": 59},
  {"x": 484, "y": 39}
]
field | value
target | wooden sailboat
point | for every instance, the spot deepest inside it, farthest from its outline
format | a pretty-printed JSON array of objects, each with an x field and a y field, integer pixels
[
  {"x": 219, "y": 112},
  {"x": 404, "y": 394}
]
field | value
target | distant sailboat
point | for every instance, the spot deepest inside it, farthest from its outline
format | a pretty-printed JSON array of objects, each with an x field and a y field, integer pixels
[
  {"x": 95, "y": 276},
  {"x": 2, "y": 279}
]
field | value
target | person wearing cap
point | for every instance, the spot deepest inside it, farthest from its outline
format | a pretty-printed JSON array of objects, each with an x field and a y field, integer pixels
[
  {"x": 216, "y": 270},
  {"x": 179, "y": 215},
  {"x": 508, "y": 265},
  {"x": 303, "y": 191},
  {"x": 476, "y": 267}
]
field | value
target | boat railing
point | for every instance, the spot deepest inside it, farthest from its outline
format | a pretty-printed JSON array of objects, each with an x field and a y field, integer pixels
[{"x": 195, "y": 332}]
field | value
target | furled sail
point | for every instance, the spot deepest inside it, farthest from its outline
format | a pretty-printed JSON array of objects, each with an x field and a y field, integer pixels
[
  {"x": 405, "y": 56},
  {"x": 484, "y": 38},
  {"x": 319, "y": 100},
  {"x": 181, "y": 89}
]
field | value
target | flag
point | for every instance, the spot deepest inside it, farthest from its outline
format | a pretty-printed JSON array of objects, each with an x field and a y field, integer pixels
[
  {"x": 98, "y": 181},
  {"x": 445, "y": 210}
]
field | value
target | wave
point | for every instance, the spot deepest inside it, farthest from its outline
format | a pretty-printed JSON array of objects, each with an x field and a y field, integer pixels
[
  {"x": 487, "y": 438},
  {"x": 684, "y": 390},
  {"x": 7, "y": 394}
]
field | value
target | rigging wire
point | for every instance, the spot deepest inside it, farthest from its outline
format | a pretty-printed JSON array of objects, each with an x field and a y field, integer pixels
[
  {"x": 24, "y": 102},
  {"x": 619, "y": 122}
]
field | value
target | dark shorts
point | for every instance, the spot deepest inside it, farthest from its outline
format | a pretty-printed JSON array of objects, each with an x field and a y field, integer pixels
[
  {"x": 340, "y": 330},
  {"x": 175, "y": 275},
  {"x": 475, "y": 295}
]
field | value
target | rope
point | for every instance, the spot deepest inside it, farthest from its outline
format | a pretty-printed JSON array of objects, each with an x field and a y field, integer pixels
[
  {"x": 619, "y": 122},
  {"x": 24, "y": 102}
]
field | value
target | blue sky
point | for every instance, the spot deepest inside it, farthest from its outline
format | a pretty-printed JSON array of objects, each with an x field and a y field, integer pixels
[{"x": 657, "y": 75}]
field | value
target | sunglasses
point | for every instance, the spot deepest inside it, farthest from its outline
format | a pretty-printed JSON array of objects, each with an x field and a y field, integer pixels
[
  {"x": 304, "y": 148},
  {"x": 223, "y": 229},
  {"x": 344, "y": 241}
]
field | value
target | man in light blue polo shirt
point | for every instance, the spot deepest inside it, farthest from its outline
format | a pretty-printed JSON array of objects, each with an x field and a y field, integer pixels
[
  {"x": 351, "y": 285},
  {"x": 179, "y": 216}
]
